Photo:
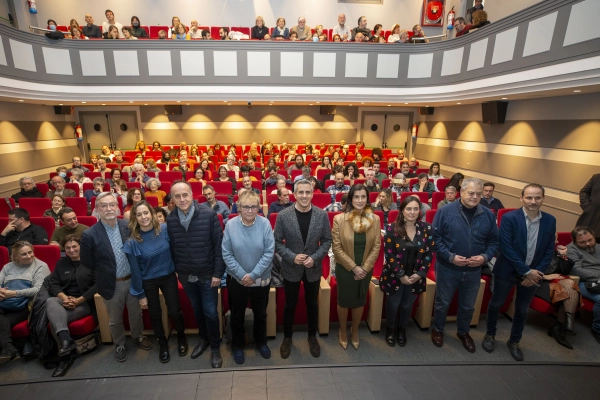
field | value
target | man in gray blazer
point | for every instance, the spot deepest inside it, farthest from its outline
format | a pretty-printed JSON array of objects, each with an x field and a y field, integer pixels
[{"x": 302, "y": 239}]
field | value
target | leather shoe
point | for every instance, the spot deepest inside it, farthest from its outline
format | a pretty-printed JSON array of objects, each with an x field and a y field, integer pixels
[
  {"x": 313, "y": 346},
  {"x": 488, "y": 344},
  {"x": 67, "y": 347},
  {"x": 558, "y": 333},
  {"x": 467, "y": 342},
  {"x": 596, "y": 335},
  {"x": 63, "y": 367},
  {"x": 182, "y": 345},
  {"x": 390, "y": 337},
  {"x": 286, "y": 348},
  {"x": 401, "y": 337},
  {"x": 437, "y": 337},
  {"x": 199, "y": 349},
  {"x": 216, "y": 361},
  {"x": 515, "y": 351},
  {"x": 9, "y": 353},
  {"x": 163, "y": 353}
]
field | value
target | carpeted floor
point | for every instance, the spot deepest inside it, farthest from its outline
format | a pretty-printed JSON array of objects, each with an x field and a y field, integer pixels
[{"x": 536, "y": 346}]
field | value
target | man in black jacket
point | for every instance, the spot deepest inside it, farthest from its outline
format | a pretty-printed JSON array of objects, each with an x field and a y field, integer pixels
[
  {"x": 28, "y": 189},
  {"x": 102, "y": 252},
  {"x": 19, "y": 228},
  {"x": 195, "y": 234},
  {"x": 90, "y": 30}
]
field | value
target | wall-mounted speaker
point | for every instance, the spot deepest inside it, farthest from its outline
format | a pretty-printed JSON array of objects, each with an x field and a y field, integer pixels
[
  {"x": 173, "y": 110},
  {"x": 328, "y": 110},
  {"x": 63, "y": 110},
  {"x": 494, "y": 112},
  {"x": 426, "y": 110}
]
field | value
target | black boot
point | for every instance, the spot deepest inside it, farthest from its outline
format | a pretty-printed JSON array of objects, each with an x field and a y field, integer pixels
[
  {"x": 558, "y": 333},
  {"x": 182, "y": 344},
  {"x": 163, "y": 353},
  {"x": 401, "y": 337},
  {"x": 570, "y": 322},
  {"x": 389, "y": 337},
  {"x": 9, "y": 353}
]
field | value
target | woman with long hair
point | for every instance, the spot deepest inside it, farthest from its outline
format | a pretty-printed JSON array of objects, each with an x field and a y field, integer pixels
[
  {"x": 205, "y": 164},
  {"x": 152, "y": 270},
  {"x": 435, "y": 173},
  {"x": 156, "y": 146},
  {"x": 352, "y": 172},
  {"x": 356, "y": 243},
  {"x": 325, "y": 164},
  {"x": 385, "y": 203},
  {"x": 407, "y": 250},
  {"x": 198, "y": 176},
  {"x": 140, "y": 146},
  {"x": 456, "y": 180},
  {"x": 134, "y": 196},
  {"x": 224, "y": 177}
]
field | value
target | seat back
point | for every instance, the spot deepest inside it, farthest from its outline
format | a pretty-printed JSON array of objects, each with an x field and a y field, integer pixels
[
  {"x": 45, "y": 222},
  {"x": 87, "y": 220},
  {"x": 501, "y": 213},
  {"x": 4, "y": 259},
  {"x": 35, "y": 206},
  {"x": 48, "y": 254},
  {"x": 6, "y": 205},
  {"x": 321, "y": 200},
  {"x": 78, "y": 204},
  {"x": 42, "y": 187},
  {"x": 436, "y": 198},
  {"x": 442, "y": 183},
  {"x": 273, "y": 219},
  {"x": 221, "y": 187},
  {"x": 423, "y": 196},
  {"x": 73, "y": 186},
  {"x": 169, "y": 176},
  {"x": 430, "y": 215}
]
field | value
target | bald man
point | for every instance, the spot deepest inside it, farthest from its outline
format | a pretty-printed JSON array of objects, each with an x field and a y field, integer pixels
[{"x": 90, "y": 30}]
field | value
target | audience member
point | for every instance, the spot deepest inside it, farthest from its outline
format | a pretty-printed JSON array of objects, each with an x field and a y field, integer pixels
[
  {"x": 338, "y": 206},
  {"x": 385, "y": 203},
  {"x": 28, "y": 189},
  {"x": 380, "y": 176},
  {"x": 76, "y": 34},
  {"x": 259, "y": 30},
  {"x": 404, "y": 37},
  {"x": 400, "y": 184},
  {"x": 521, "y": 264},
  {"x": 456, "y": 180},
  {"x": 152, "y": 186},
  {"x": 371, "y": 184},
  {"x": 395, "y": 36},
  {"x": 589, "y": 201},
  {"x": 216, "y": 205},
  {"x": 101, "y": 167},
  {"x": 360, "y": 38},
  {"x": 585, "y": 252},
  {"x": 408, "y": 248},
  {"x": 424, "y": 185},
  {"x": 461, "y": 27},
  {"x": 136, "y": 29},
  {"x": 338, "y": 187},
  {"x": 356, "y": 242},
  {"x": 362, "y": 28},
  {"x": 341, "y": 29},
  {"x": 418, "y": 33},
  {"x": 78, "y": 177},
  {"x": 98, "y": 188},
  {"x": 20, "y": 281},
  {"x": 480, "y": 19},
  {"x": 461, "y": 251},
  {"x": 180, "y": 33},
  {"x": 283, "y": 201},
  {"x": 90, "y": 30},
  {"x": 162, "y": 34},
  {"x": 476, "y": 7},
  {"x": 127, "y": 33},
  {"x": 302, "y": 252},
  {"x": 58, "y": 202},
  {"x": 280, "y": 32},
  {"x": 161, "y": 214},
  {"x": 435, "y": 173},
  {"x": 367, "y": 163},
  {"x": 113, "y": 33},
  {"x": 110, "y": 22},
  {"x": 298, "y": 164},
  {"x": 488, "y": 199},
  {"x": 71, "y": 226},
  {"x": 198, "y": 176},
  {"x": 152, "y": 272},
  {"x": 224, "y": 33},
  {"x": 169, "y": 203},
  {"x": 134, "y": 196},
  {"x": 351, "y": 172},
  {"x": 139, "y": 175},
  {"x": 191, "y": 226},
  {"x": 450, "y": 196},
  {"x": 20, "y": 228},
  {"x": 58, "y": 182},
  {"x": 302, "y": 30}
]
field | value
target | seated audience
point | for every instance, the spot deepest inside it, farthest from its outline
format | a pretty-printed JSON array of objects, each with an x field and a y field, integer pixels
[
  {"x": 58, "y": 202},
  {"x": 456, "y": 180},
  {"x": 20, "y": 281},
  {"x": 325, "y": 164},
  {"x": 385, "y": 203},
  {"x": 140, "y": 147},
  {"x": 217, "y": 205},
  {"x": 461, "y": 27},
  {"x": 58, "y": 183},
  {"x": 162, "y": 34},
  {"x": 152, "y": 186},
  {"x": 418, "y": 33},
  {"x": 298, "y": 164},
  {"x": 585, "y": 252},
  {"x": 90, "y": 30},
  {"x": 224, "y": 33},
  {"x": 76, "y": 34},
  {"x": 281, "y": 183},
  {"x": 424, "y": 185},
  {"x": 134, "y": 196},
  {"x": 245, "y": 170},
  {"x": 98, "y": 188},
  {"x": 435, "y": 173},
  {"x": 180, "y": 33},
  {"x": 450, "y": 196},
  {"x": 360, "y": 38},
  {"x": 400, "y": 184},
  {"x": 169, "y": 203},
  {"x": 139, "y": 175},
  {"x": 480, "y": 19},
  {"x": 71, "y": 226},
  {"x": 230, "y": 166},
  {"x": 338, "y": 186},
  {"x": 488, "y": 200},
  {"x": 367, "y": 163},
  {"x": 280, "y": 32},
  {"x": 127, "y": 35},
  {"x": 259, "y": 30},
  {"x": 341, "y": 30},
  {"x": 371, "y": 183},
  {"x": 247, "y": 184},
  {"x": 395, "y": 36},
  {"x": 316, "y": 185},
  {"x": 115, "y": 174},
  {"x": 338, "y": 206},
  {"x": 302, "y": 30},
  {"x": 331, "y": 176},
  {"x": 476, "y": 7},
  {"x": 380, "y": 176},
  {"x": 118, "y": 159},
  {"x": 224, "y": 177},
  {"x": 106, "y": 154},
  {"x": 161, "y": 214},
  {"x": 195, "y": 32},
  {"x": 352, "y": 172},
  {"x": 28, "y": 189},
  {"x": 77, "y": 164},
  {"x": 136, "y": 28},
  {"x": 101, "y": 167},
  {"x": 78, "y": 177},
  {"x": 110, "y": 22},
  {"x": 306, "y": 173},
  {"x": 174, "y": 22},
  {"x": 283, "y": 201},
  {"x": 112, "y": 33},
  {"x": 362, "y": 28},
  {"x": 120, "y": 188},
  {"x": 404, "y": 37},
  {"x": 378, "y": 30},
  {"x": 198, "y": 176}
]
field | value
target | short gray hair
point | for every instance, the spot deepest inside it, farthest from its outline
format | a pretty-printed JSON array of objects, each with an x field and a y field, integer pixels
[
  {"x": 99, "y": 179},
  {"x": 101, "y": 196},
  {"x": 467, "y": 181},
  {"x": 302, "y": 182},
  {"x": 451, "y": 188},
  {"x": 25, "y": 178},
  {"x": 306, "y": 168},
  {"x": 78, "y": 172},
  {"x": 399, "y": 176},
  {"x": 149, "y": 181}
]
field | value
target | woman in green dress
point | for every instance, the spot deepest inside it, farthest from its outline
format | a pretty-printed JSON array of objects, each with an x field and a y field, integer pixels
[{"x": 356, "y": 243}]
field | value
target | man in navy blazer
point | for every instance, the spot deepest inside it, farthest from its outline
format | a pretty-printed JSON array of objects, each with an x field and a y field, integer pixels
[
  {"x": 527, "y": 238},
  {"x": 102, "y": 251}
]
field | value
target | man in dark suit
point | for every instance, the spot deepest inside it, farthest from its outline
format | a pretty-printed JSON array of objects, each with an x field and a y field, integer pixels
[
  {"x": 58, "y": 182},
  {"x": 302, "y": 240},
  {"x": 102, "y": 251},
  {"x": 527, "y": 238}
]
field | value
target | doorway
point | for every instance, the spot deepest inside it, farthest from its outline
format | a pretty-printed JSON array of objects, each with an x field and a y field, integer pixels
[
  {"x": 391, "y": 128},
  {"x": 117, "y": 130}
]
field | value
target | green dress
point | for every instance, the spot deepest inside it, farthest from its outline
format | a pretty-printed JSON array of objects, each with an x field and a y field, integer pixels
[{"x": 353, "y": 293}]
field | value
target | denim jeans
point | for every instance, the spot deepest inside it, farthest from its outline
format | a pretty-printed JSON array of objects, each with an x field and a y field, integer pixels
[
  {"x": 311, "y": 297},
  {"x": 595, "y": 297},
  {"x": 402, "y": 299},
  {"x": 447, "y": 282},
  {"x": 500, "y": 290},
  {"x": 168, "y": 286},
  {"x": 238, "y": 300},
  {"x": 204, "y": 301}
]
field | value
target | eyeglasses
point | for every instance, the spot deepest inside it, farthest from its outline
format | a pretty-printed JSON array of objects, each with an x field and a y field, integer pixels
[
  {"x": 104, "y": 206},
  {"x": 250, "y": 208}
]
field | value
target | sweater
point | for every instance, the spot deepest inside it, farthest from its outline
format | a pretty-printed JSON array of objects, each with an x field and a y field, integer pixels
[
  {"x": 62, "y": 232},
  {"x": 587, "y": 265},
  {"x": 148, "y": 259},
  {"x": 34, "y": 273},
  {"x": 248, "y": 249},
  {"x": 35, "y": 192}
]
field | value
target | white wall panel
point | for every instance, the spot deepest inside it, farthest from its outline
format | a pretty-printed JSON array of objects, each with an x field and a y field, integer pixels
[
  {"x": 92, "y": 63},
  {"x": 539, "y": 34},
  {"x": 356, "y": 65},
  {"x": 292, "y": 64},
  {"x": 477, "y": 54},
  {"x": 259, "y": 63},
  {"x": 583, "y": 22},
  {"x": 324, "y": 65},
  {"x": 225, "y": 63},
  {"x": 23, "y": 55},
  {"x": 192, "y": 63},
  {"x": 126, "y": 63},
  {"x": 159, "y": 63},
  {"x": 452, "y": 61},
  {"x": 387, "y": 65},
  {"x": 504, "y": 48},
  {"x": 419, "y": 65}
]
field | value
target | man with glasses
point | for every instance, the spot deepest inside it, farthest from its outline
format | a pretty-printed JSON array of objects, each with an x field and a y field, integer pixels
[
  {"x": 461, "y": 27},
  {"x": 302, "y": 240},
  {"x": 28, "y": 189},
  {"x": 102, "y": 251},
  {"x": 77, "y": 164},
  {"x": 466, "y": 238},
  {"x": 195, "y": 234},
  {"x": 58, "y": 182}
]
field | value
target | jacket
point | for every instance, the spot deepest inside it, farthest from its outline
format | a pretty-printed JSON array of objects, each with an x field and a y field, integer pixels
[
  {"x": 289, "y": 243},
  {"x": 35, "y": 192},
  {"x": 589, "y": 200},
  {"x": 453, "y": 235},
  {"x": 60, "y": 279},
  {"x": 587, "y": 265},
  {"x": 510, "y": 264},
  {"x": 343, "y": 242},
  {"x": 97, "y": 254},
  {"x": 196, "y": 251},
  {"x": 34, "y": 234},
  {"x": 66, "y": 193}
]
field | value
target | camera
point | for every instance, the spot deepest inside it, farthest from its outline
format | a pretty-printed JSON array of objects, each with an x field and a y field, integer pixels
[{"x": 249, "y": 104}]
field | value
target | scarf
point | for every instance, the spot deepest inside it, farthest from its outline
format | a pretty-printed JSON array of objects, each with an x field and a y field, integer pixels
[
  {"x": 362, "y": 220},
  {"x": 186, "y": 219},
  {"x": 280, "y": 30}
]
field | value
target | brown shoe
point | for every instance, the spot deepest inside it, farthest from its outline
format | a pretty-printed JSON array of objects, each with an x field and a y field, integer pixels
[
  {"x": 467, "y": 342},
  {"x": 286, "y": 347},
  {"x": 313, "y": 345},
  {"x": 437, "y": 337}
]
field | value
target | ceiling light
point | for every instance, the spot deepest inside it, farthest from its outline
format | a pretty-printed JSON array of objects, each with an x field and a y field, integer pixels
[
  {"x": 60, "y": 104},
  {"x": 318, "y": 102},
  {"x": 179, "y": 101},
  {"x": 21, "y": 100},
  {"x": 505, "y": 98},
  {"x": 83, "y": 102},
  {"x": 310, "y": 104},
  {"x": 103, "y": 104},
  {"x": 574, "y": 91},
  {"x": 458, "y": 103}
]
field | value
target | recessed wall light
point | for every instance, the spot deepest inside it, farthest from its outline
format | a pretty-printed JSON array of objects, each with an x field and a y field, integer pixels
[
  {"x": 362, "y": 102},
  {"x": 426, "y": 106},
  {"x": 389, "y": 105},
  {"x": 103, "y": 104},
  {"x": 145, "y": 104},
  {"x": 318, "y": 102},
  {"x": 505, "y": 98},
  {"x": 21, "y": 100},
  {"x": 130, "y": 102},
  {"x": 310, "y": 104},
  {"x": 574, "y": 91},
  {"x": 83, "y": 102},
  {"x": 228, "y": 104},
  {"x": 458, "y": 103},
  {"x": 187, "y": 104},
  {"x": 405, "y": 103},
  {"x": 60, "y": 104},
  {"x": 350, "y": 105},
  {"x": 179, "y": 101}
]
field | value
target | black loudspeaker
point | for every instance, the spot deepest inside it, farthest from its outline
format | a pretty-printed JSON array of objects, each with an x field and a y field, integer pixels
[
  {"x": 328, "y": 110},
  {"x": 426, "y": 110},
  {"x": 494, "y": 112},
  {"x": 63, "y": 110},
  {"x": 173, "y": 110}
]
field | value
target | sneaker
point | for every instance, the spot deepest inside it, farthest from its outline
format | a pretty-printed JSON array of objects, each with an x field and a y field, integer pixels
[
  {"x": 238, "y": 356},
  {"x": 121, "y": 354},
  {"x": 144, "y": 343},
  {"x": 265, "y": 351}
]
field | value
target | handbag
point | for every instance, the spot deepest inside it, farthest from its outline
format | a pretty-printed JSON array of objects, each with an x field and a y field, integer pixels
[
  {"x": 593, "y": 286},
  {"x": 16, "y": 303}
]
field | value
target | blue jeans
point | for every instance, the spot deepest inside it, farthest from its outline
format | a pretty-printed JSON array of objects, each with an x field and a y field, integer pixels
[
  {"x": 595, "y": 297},
  {"x": 204, "y": 301},
  {"x": 447, "y": 282},
  {"x": 500, "y": 290}
]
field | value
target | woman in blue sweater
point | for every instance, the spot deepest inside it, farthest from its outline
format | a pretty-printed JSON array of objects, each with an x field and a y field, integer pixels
[
  {"x": 152, "y": 269},
  {"x": 248, "y": 249}
]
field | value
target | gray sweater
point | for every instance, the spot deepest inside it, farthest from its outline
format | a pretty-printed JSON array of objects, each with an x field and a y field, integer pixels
[
  {"x": 34, "y": 272},
  {"x": 587, "y": 265},
  {"x": 248, "y": 249}
]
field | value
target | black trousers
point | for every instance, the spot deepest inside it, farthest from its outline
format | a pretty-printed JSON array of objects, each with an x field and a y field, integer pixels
[
  {"x": 311, "y": 297},
  {"x": 8, "y": 319},
  {"x": 239, "y": 295},
  {"x": 168, "y": 286}
]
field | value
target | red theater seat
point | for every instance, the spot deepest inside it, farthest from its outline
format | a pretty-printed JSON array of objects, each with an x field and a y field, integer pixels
[
  {"x": 87, "y": 221},
  {"x": 321, "y": 200},
  {"x": 221, "y": 187},
  {"x": 45, "y": 222},
  {"x": 436, "y": 198},
  {"x": 48, "y": 254},
  {"x": 79, "y": 205},
  {"x": 5, "y": 206},
  {"x": 501, "y": 213},
  {"x": 35, "y": 206},
  {"x": 423, "y": 196},
  {"x": 442, "y": 183}
]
